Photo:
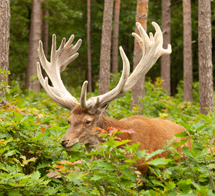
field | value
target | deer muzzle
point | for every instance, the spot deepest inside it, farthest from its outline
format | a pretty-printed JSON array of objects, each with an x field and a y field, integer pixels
[
  {"x": 69, "y": 143},
  {"x": 64, "y": 143}
]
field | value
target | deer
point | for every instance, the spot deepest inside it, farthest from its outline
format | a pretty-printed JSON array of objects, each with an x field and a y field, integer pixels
[{"x": 151, "y": 133}]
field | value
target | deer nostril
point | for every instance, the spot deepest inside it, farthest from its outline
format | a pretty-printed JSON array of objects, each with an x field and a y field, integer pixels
[{"x": 64, "y": 143}]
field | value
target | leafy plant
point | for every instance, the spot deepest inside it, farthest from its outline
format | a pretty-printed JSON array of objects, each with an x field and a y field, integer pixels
[
  {"x": 109, "y": 169},
  {"x": 3, "y": 84},
  {"x": 32, "y": 161}
]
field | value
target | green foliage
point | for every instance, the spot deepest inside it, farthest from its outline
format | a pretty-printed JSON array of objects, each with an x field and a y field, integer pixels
[
  {"x": 28, "y": 145},
  {"x": 156, "y": 103},
  {"x": 104, "y": 170},
  {"x": 28, "y": 148},
  {"x": 190, "y": 172},
  {"x": 3, "y": 84},
  {"x": 32, "y": 161}
]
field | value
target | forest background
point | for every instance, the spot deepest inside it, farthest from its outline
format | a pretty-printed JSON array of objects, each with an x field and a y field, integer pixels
[{"x": 70, "y": 17}]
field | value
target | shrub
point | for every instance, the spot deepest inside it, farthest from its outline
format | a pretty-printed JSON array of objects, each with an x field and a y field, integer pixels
[{"x": 32, "y": 162}]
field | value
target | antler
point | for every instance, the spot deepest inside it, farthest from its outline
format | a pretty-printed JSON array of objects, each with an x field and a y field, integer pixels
[
  {"x": 59, "y": 60},
  {"x": 152, "y": 50},
  {"x": 151, "y": 47}
]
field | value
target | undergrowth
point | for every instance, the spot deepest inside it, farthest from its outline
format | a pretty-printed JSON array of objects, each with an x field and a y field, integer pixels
[{"x": 32, "y": 161}]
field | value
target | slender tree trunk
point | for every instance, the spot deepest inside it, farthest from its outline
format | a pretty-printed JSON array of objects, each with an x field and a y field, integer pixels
[
  {"x": 187, "y": 42},
  {"x": 116, "y": 37},
  {"x": 89, "y": 70},
  {"x": 4, "y": 38},
  {"x": 104, "y": 74},
  {"x": 205, "y": 57},
  {"x": 165, "y": 59},
  {"x": 46, "y": 29},
  {"x": 35, "y": 36},
  {"x": 141, "y": 17}
]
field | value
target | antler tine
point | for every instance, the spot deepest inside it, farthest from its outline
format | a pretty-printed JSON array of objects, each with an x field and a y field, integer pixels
[
  {"x": 66, "y": 102},
  {"x": 159, "y": 39},
  {"x": 83, "y": 97},
  {"x": 101, "y": 101},
  {"x": 66, "y": 57},
  {"x": 59, "y": 60},
  {"x": 151, "y": 48},
  {"x": 154, "y": 50}
]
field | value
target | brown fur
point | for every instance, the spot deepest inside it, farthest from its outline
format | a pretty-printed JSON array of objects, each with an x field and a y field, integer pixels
[
  {"x": 152, "y": 134},
  {"x": 79, "y": 111}
]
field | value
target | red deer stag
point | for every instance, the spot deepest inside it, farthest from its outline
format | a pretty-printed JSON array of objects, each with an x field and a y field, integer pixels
[{"x": 151, "y": 133}]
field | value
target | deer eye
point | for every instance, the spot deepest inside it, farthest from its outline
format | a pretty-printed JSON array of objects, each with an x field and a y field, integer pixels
[{"x": 88, "y": 122}]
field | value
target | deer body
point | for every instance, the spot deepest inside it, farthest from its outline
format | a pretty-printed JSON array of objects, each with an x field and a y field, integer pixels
[{"x": 151, "y": 133}]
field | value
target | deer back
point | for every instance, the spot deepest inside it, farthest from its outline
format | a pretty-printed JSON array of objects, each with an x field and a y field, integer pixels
[{"x": 152, "y": 134}]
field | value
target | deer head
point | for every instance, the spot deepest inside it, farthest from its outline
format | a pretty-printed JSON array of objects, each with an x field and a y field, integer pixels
[{"x": 87, "y": 114}]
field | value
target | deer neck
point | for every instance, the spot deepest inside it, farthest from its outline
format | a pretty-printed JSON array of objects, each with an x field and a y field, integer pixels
[{"x": 103, "y": 123}]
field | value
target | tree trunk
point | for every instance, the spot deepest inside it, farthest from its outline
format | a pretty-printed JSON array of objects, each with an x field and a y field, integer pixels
[
  {"x": 141, "y": 17},
  {"x": 35, "y": 36},
  {"x": 116, "y": 37},
  {"x": 187, "y": 45},
  {"x": 46, "y": 29},
  {"x": 165, "y": 59},
  {"x": 104, "y": 73},
  {"x": 89, "y": 70},
  {"x": 205, "y": 57},
  {"x": 4, "y": 38}
]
